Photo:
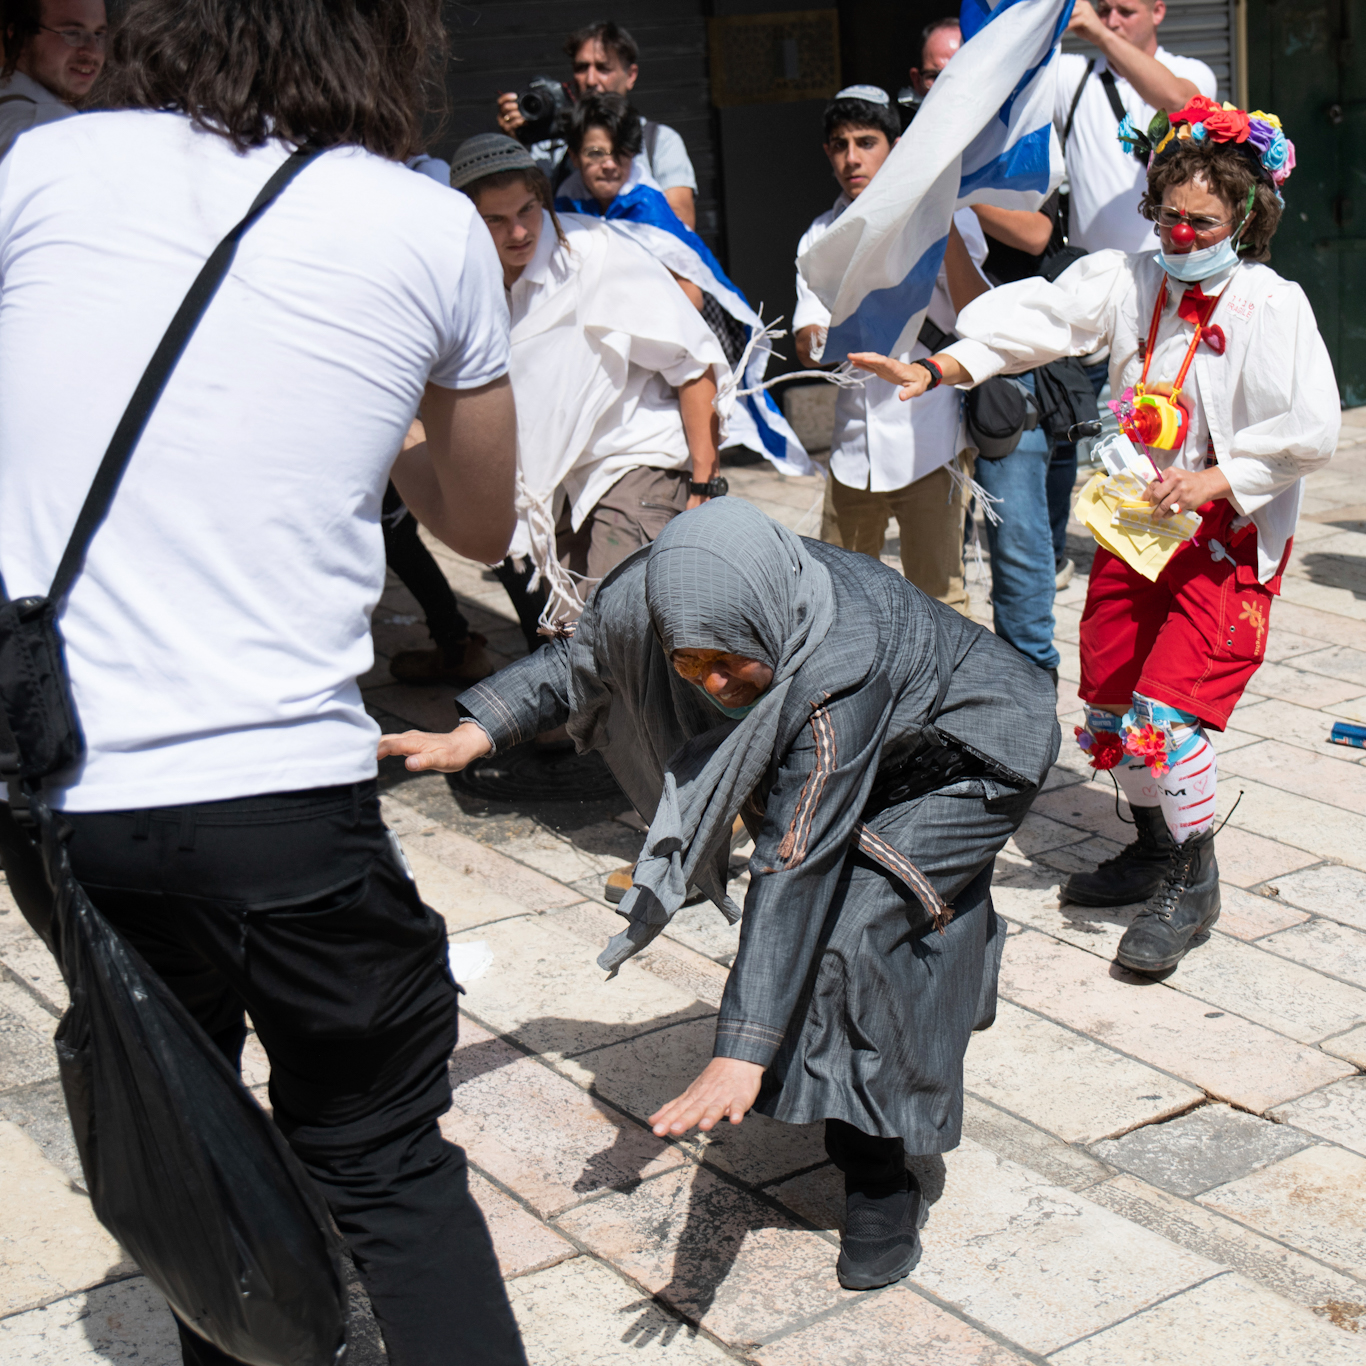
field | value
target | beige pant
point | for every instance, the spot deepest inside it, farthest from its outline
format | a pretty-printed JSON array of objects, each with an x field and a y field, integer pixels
[
  {"x": 629, "y": 515},
  {"x": 930, "y": 514}
]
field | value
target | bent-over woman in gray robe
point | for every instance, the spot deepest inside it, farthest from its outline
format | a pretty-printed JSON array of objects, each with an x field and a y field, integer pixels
[{"x": 881, "y": 750}]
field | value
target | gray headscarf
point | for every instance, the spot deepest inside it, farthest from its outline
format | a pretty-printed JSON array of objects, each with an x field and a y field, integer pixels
[{"x": 723, "y": 577}]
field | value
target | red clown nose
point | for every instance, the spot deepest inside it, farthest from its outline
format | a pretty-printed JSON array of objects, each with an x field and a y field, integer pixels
[{"x": 1183, "y": 236}]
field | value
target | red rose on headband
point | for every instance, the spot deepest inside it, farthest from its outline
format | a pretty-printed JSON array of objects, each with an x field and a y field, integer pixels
[
  {"x": 1197, "y": 110},
  {"x": 1227, "y": 125}
]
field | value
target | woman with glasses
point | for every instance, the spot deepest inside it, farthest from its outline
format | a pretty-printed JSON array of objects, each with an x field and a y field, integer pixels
[
  {"x": 53, "y": 50},
  {"x": 1228, "y": 388},
  {"x": 880, "y": 748}
]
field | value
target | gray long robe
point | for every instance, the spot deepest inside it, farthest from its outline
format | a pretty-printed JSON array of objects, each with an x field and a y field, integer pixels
[{"x": 842, "y": 988}]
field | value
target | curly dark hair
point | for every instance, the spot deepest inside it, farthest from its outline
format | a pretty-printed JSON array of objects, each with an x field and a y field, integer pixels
[
  {"x": 324, "y": 72},
  {"x": 19, "y": 23},
  {"x": 1228, "y": 173},
  {"x": 615, "y": 114},
  {"x": 535, "y": 180}
]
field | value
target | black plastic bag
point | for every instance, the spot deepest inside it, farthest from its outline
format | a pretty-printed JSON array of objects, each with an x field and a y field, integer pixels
[{"x": 183, "y": 1167}]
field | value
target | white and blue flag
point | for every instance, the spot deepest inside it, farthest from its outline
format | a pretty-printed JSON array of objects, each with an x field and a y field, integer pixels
[
  {"x": 984, "y": 135},
  {"x": 752, "y": 419}
]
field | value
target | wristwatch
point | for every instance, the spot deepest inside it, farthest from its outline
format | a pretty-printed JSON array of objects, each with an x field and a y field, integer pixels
[{"x": 713, "y": 488}]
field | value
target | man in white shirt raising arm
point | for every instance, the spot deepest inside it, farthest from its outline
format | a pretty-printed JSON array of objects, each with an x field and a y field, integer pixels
[{"x": 1134, "y": 76}]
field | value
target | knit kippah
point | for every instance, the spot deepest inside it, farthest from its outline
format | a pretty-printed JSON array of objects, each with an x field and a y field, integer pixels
[
  {"x": 487, "y": 154},
  {"x": 872, "y": 94}
]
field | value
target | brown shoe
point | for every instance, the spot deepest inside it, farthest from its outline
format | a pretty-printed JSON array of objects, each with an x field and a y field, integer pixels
[
  {"x": 468, "y": 665},
  {"x": 618, "y": 884}
]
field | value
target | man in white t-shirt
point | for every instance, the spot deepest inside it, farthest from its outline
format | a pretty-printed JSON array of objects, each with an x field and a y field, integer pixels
[
  {"x": 1131, "y": 75},
  {"x": 225, "y": 818},
  {"x": 605, "y": 59},
  {"x": 888, "y": 458},
  {"x": 53, "y": 50}
]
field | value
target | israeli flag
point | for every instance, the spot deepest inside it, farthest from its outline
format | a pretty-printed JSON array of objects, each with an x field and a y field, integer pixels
[
  {"x": 641, "y": 212},
  {"x": 984, "y": 135}
]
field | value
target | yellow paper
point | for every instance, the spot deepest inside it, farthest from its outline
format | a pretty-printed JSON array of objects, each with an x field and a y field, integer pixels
[{"x": 1139, "y": 550}]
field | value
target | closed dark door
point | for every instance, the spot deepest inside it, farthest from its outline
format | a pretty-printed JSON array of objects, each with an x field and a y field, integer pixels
[{"x": 1306, "y": 64}]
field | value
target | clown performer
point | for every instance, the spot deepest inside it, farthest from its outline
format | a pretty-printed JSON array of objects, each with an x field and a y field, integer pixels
[{"x": 1228, "y": 387}]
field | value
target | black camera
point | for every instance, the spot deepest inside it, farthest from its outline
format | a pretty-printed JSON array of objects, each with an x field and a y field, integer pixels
[{"x": 543, "y": 104}]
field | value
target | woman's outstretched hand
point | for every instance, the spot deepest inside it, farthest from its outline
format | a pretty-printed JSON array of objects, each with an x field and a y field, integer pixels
[
  {"x": 726, "y": 1089},
  {"x": 441, "y": 753}
]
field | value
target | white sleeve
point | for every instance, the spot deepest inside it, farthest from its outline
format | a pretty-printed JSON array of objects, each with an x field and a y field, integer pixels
[
  {"x": 671, "y": 165},
  {"x": 809, "y": 312},
  {"x": 476, "y": 344},
  {"x": 1194, "y": 70},
  {"x": 1020, "y": 326},
  {"x": 1291, "y": 397}
]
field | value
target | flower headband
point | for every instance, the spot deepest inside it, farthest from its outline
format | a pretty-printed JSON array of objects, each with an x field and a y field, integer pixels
[{"x": 1257, "y": 135}]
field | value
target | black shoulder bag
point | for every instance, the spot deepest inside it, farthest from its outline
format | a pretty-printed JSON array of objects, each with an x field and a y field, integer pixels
[{"x": 41, "y": 734}]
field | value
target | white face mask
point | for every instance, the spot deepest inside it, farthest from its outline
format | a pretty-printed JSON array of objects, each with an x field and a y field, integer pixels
[{"x": 1193, "y": 266}]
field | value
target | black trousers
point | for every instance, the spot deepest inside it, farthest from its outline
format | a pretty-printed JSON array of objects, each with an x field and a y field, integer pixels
[
  {"x": 294, "y": 908},
  {"x": 871, "y": 1165},
  {"x": 422, "y": 577}
]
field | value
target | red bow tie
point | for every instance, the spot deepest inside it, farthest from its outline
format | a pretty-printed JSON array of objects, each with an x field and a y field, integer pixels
[{"x": 1195, "y": 308}]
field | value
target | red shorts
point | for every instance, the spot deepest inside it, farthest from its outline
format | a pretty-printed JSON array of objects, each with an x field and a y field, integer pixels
[{"x": 1193, "y": 639}]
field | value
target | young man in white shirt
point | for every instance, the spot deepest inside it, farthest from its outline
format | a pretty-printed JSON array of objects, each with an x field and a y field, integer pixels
[
  {"x": 888, "y": 458},
  {"x": 615, "y": 369},
  {"x": 53, "y": 50},
  {"x": 225, "y": 816},
  {"x": 604, "y": 58},
  {"x": 1131, "y": 75}
]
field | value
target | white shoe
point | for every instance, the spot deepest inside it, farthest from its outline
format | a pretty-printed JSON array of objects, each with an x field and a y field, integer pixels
[{"x": 1064, "y": 575}]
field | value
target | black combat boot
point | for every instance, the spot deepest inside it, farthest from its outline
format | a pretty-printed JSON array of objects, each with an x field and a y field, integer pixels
[
  {"x": 1182, "y": 909},
  {"x": 1134, "y": 873}
]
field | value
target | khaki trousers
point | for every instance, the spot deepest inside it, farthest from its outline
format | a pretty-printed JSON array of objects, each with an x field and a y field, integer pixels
[
  {"x": 930, "y": 514},
  {"x": 629, "y": 515}
]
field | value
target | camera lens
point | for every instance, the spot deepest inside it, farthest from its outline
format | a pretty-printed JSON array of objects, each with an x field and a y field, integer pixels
[{"x": 533, "y": 105}]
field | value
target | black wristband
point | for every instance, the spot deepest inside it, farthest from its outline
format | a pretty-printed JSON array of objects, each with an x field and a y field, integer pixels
[
  {"x": 716, "y": 487},
  {"x": 936, "y": 374}
]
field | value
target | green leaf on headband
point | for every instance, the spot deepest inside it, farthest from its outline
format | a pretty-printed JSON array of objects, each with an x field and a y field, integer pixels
[{"x": 1159, "y": 127}]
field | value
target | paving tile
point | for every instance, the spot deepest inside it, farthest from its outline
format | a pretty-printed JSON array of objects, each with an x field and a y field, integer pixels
[
  {"x": 1065, "y": 1083},
  {"x": 521, "y": 1241},
  {"x": 1206, "y": 1148},
  {"x": 1319, "y": 827},
  {"x": 1036, "y": 1263},
  {"x": 1227, "y": 1321},
  {"x": 1077, "y": 858},
  {"x": 1351, "y": 1046},
  {"x": 644, "y": 1073},
  {"x": 1319, "y": 776},
  {"x": 1089, "y": 807},
  {"x": 51, "y": 1244},
  {"x": 532, "y": 889},
  {"x": 1282, "y": 645},
  {"x": 1246, "y": 858},
  {"x": 559, "y": 858},
  {"x": 546, "y": 989},
  {"x": 127, "y": 1321},
  {"x": 538, "y": 1133},
  {"x": 1330, "y": 890},
  {"x": 1293, "y": 682},
  {"x": 26, "y": 1028},
  {"x": 686, "y": 969},
  {"x": 1249, "y": 916},
  {"x": 27, "y": 956},
  {"x": 1337, "y": 1113},
  {"x": 424, "y": 708},
  {"x": 1354, "y": 709},
  {"x": 704, "y": 929},
  {"x": 581, "y": 1313},
  {"x": 462, "y": 902},
  {"x": 40, "y": 1111},
  {"x": 1229, "y": 1057},
  {"x": 1225, "y": 740},
  {"x": 1327, "y": 947},
  {"x": 1269, "y": 1263},
  {"x": 1303, "y": 726},
  {"x": 1057, "y": 1162},
  {"x": 1337, "y": 661},
  {"x": 1314, "y": 1200},
  {"x": 718, "y": 1256},
  {"x": 1038, "y": 832},
  {"x": 895, "y": 1326}
]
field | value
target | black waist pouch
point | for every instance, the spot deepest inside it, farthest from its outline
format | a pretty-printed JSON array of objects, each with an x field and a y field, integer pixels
[{"x": 35, "y": 696}]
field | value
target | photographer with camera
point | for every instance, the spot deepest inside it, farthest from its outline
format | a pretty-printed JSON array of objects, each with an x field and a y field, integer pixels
[{"x": 604, "y": 60}]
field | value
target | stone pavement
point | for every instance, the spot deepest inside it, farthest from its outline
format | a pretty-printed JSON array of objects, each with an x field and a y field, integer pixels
[{"x": 1152, "y": 1172}]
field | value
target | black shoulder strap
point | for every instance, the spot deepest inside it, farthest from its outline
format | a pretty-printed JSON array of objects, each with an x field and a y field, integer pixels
[
  {"x": 651, "y": 142},
  {"x": 1076, "y": 100},
  {"x": 934, "y": 337},
  {"x": 158, "y": 371},
  {"x": 1107, "y": 79}
]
